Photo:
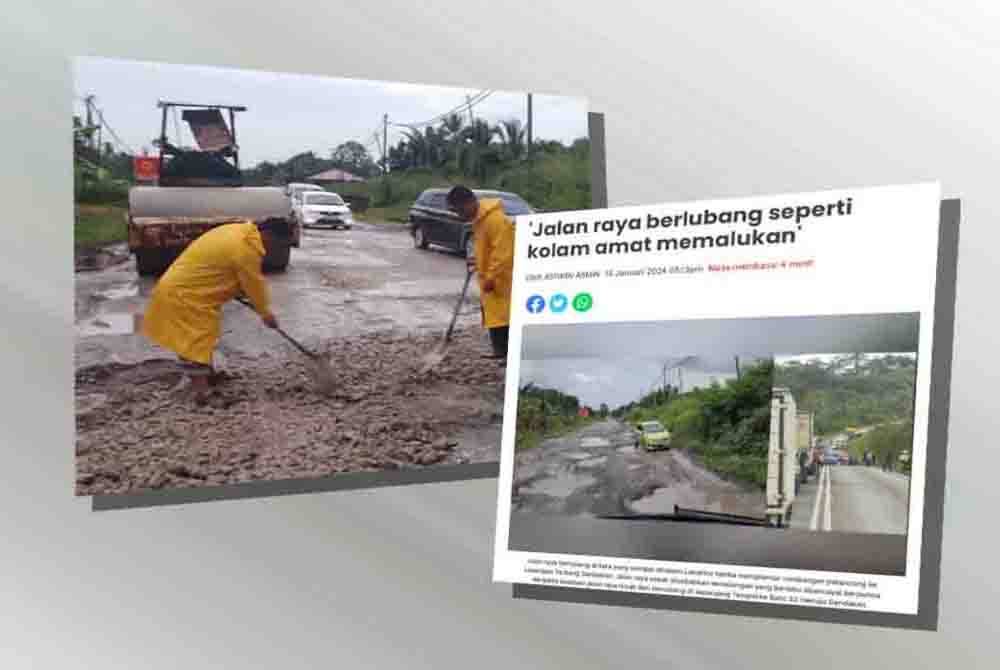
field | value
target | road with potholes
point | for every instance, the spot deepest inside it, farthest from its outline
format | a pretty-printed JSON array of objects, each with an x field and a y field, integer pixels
[
  {"x": 599, "y": 470},
  {"x": 365, "y": 298}
]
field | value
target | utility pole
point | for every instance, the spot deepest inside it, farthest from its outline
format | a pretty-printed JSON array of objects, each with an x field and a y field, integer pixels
[
  {"x": 468, "y": 102},
  {"x": 737, "y": 367},
  {"x": 385, "y": 144},
  {"x": 530, "y": 125},
  {"x": 89, "y": 102}
]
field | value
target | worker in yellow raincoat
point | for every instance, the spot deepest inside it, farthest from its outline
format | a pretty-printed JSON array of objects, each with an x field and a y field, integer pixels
[
  {"x": 493, "y": 260},
  {"x": 184, "y": 313}
]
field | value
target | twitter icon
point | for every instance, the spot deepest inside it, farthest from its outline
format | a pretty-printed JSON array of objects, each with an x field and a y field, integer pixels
[{"x": 558, "y": 303}]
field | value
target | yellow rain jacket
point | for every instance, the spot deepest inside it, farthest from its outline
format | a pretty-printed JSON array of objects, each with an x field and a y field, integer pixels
[
  {"x": 493, "y": 239},
  {"x": 185, "y": 310}
]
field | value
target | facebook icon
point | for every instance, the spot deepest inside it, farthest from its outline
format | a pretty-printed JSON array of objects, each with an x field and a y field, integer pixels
[{"x": 536, "y": 304}]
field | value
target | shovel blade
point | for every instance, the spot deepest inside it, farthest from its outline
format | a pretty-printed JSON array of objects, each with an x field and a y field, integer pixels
[{"x": 434, "y": 358}]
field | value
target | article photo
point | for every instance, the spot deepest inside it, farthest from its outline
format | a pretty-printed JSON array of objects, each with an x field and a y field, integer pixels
[
  {"x": 848, "y": 423},
  {"x": 697, "y": 442},
  {"x": 272, "y": 282}
]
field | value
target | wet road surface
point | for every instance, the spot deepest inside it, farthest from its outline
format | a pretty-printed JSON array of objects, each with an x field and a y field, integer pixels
[
  {"x": 365, "y": 298},
  {"x": 599, "y": 470},
  {"x": 339, "y": 284}
]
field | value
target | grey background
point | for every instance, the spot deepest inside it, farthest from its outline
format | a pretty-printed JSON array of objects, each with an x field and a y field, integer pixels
[{"x": 701, "y": 100}]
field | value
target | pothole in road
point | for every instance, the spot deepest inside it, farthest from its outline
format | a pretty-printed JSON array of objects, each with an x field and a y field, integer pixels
[
  {"x": 662, "y": 500},
  {"x": 561, "y": 485},
  {"x": 108, "y": 324},
  {"x": 592, "y": 462}
]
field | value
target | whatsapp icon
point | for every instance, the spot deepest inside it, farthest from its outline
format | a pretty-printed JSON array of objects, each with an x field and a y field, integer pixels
[{"x": 582, "y": 302}]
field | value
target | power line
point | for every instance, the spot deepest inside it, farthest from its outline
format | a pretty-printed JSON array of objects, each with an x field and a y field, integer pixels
[
  {"x": 468, "y": 104},
  {"x": 114, "y": 135}
]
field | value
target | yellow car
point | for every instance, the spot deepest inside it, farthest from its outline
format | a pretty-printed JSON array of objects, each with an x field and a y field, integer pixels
[{"x": 652, "y": 435}]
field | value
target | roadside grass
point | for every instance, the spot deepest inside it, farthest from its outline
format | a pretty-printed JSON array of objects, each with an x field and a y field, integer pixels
[
  {"x": 393, "y": 215},
  {"x": 745, "y": 468},
  {"x": 529, "y": 439},
  {"x": 99, "y": 225}
]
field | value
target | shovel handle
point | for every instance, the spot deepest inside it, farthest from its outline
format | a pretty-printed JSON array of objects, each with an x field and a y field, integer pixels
[
  {"x": 296, "y": 343},
  {"x": 458, "y": 307}
]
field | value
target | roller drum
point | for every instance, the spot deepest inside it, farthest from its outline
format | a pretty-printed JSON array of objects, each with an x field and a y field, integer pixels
[{"x": 252, "y": 202}]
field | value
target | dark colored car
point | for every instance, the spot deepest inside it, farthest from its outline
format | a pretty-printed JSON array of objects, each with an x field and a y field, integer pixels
[{"x": 431, "y": 222}]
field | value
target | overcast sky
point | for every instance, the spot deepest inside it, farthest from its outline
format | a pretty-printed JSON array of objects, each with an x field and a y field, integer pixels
[
  {"x": 287, "y": 114},
  {"x": 622, "y": 380}
]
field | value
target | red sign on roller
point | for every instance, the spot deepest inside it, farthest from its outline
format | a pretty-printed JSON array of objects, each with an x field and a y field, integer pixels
[{"x": 146, "y": 168}]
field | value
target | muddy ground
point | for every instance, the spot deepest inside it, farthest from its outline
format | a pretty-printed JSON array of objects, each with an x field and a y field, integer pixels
[
  {"x": 599, "y": 470},
  {"x": 366, "y": 299}
]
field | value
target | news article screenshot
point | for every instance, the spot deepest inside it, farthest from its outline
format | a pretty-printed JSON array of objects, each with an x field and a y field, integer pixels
[{"x": 725, "y": 401}]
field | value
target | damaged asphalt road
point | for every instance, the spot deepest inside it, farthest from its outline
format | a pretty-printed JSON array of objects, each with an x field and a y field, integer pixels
[
  {"x": 599, "y": 470},
  {"x": 367, "y": 299}
]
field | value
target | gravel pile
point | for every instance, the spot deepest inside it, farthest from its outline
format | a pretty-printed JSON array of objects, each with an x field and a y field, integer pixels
[{"x": 138, "y": 429}]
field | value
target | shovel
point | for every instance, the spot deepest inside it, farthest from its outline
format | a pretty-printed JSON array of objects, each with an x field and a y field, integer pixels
[
  {"x": 318, "y": 367},
  {"x": 434, "y": 358}
]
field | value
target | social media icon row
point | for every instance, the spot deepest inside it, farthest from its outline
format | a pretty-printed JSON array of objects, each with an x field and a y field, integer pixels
[{"x": 559, "y": 302}]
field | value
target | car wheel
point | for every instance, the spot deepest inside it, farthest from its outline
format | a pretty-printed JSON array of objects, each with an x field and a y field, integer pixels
[
  {"x": 276, "y": 260},
  {"x": 420, "y": 238},
  {"x": 149, "y": 262}
]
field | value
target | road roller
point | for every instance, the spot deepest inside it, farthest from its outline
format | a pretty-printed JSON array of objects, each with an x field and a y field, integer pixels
[{"x": 198, "y": 188}]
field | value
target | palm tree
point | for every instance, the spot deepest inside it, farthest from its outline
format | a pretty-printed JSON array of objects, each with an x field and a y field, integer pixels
[
  {"x": 417, "y": 146},
  {"x": 451, "y": 132},
  {"x": 513, "y": 135},
  {"x": 478, "y": 150}
]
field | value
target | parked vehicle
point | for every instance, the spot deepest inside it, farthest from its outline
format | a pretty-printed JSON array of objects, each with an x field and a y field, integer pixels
[
  {"x": 320, "y": 208},
  {"x": 432, "y": 223},
  {"x": 198, "y": 189},
  {"x": 294, "y": 189},
  {"x": 652, "y": 435},
  {"x": 790, "y": 442}
]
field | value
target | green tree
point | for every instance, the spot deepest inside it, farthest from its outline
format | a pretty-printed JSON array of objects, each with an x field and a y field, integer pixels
[{"x": 354, "y": 157}]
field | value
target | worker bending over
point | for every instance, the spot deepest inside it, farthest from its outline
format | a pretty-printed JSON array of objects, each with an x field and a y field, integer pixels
[
  {"x": 185, "y": 310},
  {"x": 493, "y": 260}
]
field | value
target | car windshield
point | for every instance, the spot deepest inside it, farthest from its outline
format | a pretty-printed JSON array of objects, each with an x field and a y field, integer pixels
[
  {"x": 515, "y": 206},
  {"x": 323, "y": 199},
  {"x": 652, "y": 427}
]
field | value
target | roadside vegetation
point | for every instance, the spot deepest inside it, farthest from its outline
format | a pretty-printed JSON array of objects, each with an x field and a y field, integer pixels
[
  {"x": 99, "y": 225},
  {"x": 853, "y": 392},
  {"x": 101, "y": 179},
  {"x": 549, "y": 175},
  {"x": 724, "y": 426},
  {"x": 546, "y": 413}
]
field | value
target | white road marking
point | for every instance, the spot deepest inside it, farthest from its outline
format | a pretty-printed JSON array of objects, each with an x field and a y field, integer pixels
[
  {"x": 814, "y": 519},
  {"x": 826, "y": 520}
]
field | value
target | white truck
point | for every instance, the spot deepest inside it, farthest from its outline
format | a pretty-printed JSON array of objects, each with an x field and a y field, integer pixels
[{"x": 790, "y": 444}]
